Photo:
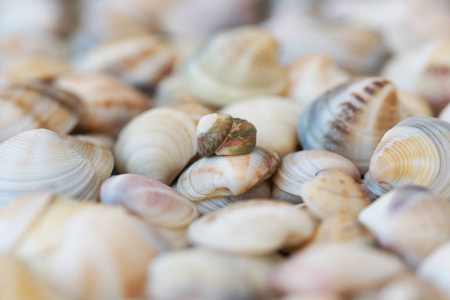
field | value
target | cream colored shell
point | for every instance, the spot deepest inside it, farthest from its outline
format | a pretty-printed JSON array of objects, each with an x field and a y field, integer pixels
[
  {"x": 434, "y": 269},
  {"x": 445, "y": 114}
]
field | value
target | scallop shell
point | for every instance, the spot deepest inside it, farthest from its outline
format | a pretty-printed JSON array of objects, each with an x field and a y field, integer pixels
[
  {"x": 30, "y": 106},
  {"x": 410, "y": 221},
  {"x": 299, "y": 167},
  {"x": 108, "y": 103},
  {"x": 158, "y": 144},
  {"x": 275, "y": 119},
  {"x": 434, "y": 269},
  {"x": 351, "y": 119},
  {"x": 416, "y": 151},
  {"x": 252, "y": 227},
  {"x": 40, "y": 158},
  {"x": 227, "y": 175},
  {"x": 234, "y": 65}
]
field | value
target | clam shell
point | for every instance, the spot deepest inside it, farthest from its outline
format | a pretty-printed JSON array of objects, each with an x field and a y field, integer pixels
[
  {"x": 351, "y": 119},
  {"x": 299, "y": 167},
  {"x": 434, "y": 269},
  {"x": 227, "y": 175},
  {"x": 31, "y": 106},
  {"x": 153, "y": 201},
  {"x": 158, "y": 144},
  {"x": 403, "y": 153},
  {"x": 108, "y": 103},
  {"x": 234, "y": 65},
  {"x": 410, "y": 221},
  {"x": 39, "y": 159},
  {"x": 244, "y": 228}
]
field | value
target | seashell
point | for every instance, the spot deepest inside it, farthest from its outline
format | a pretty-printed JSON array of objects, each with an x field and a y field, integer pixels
[
  {"x": 299, "y": 167},
  {"x": 109, "y": 104},
  {"x": 98, "y": 139},
  {"x": 39, "y": 159},
  {"x": 434, "y": 269},
  {"x": 234, "y": 65},
  {"x": 332, "y": 191},
  {"x": 80, "y": 249},
  {"x": 158, "y": 144},
  {"x": 153, "y": 201},
  {"x": 336, "y": 268},
  {"x": 31, "y": 106},
  {"x": 172, "y": 90},
  {"x": 351, "y": 119},
  {"x": 312, "y": 296},
  {"x": 261, "y": 191},
  {"x": 312, "y": 75},
  {"x": 414, "y": 105},
  {"x": 403, "y": 152},
  {"x": 243, "y": 228},
  {"x": 195, "y": 111},
  {"x": 445, "y": 114},
  {"x": 221, "y": 134},
  {"x": 410, "y": 221},
  {"x": 275, "y": 119},
  {"x": 206, "y": 274},
  {"x": 227, "y": 175},
  {"x": 140, "y": 61}
]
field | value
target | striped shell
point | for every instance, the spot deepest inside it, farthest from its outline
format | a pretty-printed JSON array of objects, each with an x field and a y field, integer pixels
[
  {"x": 417, "y": 152},
  {"x": 31, "y": 106},
  {"x": 40, "y": 159}
]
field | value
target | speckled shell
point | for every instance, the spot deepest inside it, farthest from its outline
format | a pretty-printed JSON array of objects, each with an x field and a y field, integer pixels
[
  {"x": 158, "y": 144},
  {"x": 299, "y": 167},
  {"x": 108, "y": 103},
  {"x": 351, "y": 119},
  {"x": 40, "y": 159},
  {"x": 403, "y": 152},
  {"x": 234, "y": 65},
  {"x": 31, "y": 106},
  {"x": 434, "y": 269}
]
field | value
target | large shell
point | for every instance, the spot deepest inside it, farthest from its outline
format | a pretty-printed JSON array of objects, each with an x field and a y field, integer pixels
[
  {"x": 434, "y": 268},
  {"x": 83, "y": 250},
  {"x": 351, "y": 119},
  {"x": 158, "y": 144},
  {"x": 409, "y": 220},
  {"x": 31, "y": 106},
  {"x": 299, "y": 167},
  {"x": 236, "y": 64},
  {"x": 227, "y": 175},
  {"x": 275, "y": 119},
  {"x": 40, "y": 158},
  {"x": 108, "y": 103},
  {"x": 252, "y": 227},
  {"x": 417, "y": 152}
]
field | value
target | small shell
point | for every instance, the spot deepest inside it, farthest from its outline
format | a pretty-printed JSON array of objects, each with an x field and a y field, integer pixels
[
  {"x": 153, "y": 201},
  {"x": 410, "y": 221},
  {"x": 31, "y": 106},
  {"x": 402, "y": 154},
  {"x": 158, "y": 144},
  {"x": 252, "y": 227},
  {"x": 351, "y": 119},
  {"x": 234, "y": 65},
  {"x": 445, "y": 114},
  {"x": 336, "y": 268},
  {"x": 221, "y": 134},
  {"x": 39, "y": 159},
  {"x": 227, "y": 175},
  {"x": 108, "y": 103},
  {"x": 434, "y": 268},
  {"x": 275, "y": 119},
  {"x": 332, "y": 191},
  {"x": 299, "y": 167}
]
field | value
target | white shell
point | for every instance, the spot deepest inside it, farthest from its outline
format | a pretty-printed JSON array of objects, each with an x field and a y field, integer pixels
[{"x": 434, "y": 268}]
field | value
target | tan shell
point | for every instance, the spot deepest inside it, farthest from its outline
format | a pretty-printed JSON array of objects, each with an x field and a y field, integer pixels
[
  {"x": 410, "y": 221},
  {"x": 108, "y": 103},
  {"x": 217, "y": 176},
  {"x": 275, "y": 119},
  {"x": 351, "y": 119},
  {"x": 332, "y": 191},
  {"x": 158, "y": 144},
  {"x": 402, "y": 154},
  {"x": 39, "y": 159},
  {"x": 30, "y": 106},
  {"x": 80, "y": 249},
  {"x": 299, "y": 167},
  {"x": 252, "y": 227},
  {"x": 434, "y": 269},
  {"x": 414, "y": 105},
  {"x": 445, "y": 114},
  {"x": 234, "y": 65}
]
